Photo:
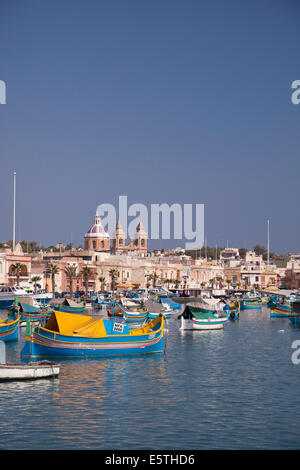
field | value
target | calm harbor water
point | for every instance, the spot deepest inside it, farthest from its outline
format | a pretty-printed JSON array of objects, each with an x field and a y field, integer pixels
[{"x": 235, "y": 388}]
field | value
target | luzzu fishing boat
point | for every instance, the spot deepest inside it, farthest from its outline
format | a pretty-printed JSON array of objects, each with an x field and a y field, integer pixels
[
  {"x": 251, "y": 301},
  {"x": 135, "y": 317},
  {"x": 198, "y": 318},
  {"x": 9, "y": 328},
  {"x": 68, "y": 335},
  {"x": 232, "y": 310},
  {"x": 29, "y": 312},
  {"x": 102, "y": 301},
  {"x": 285, "y": 309},
  {"x": 69, "y": 306},
  {"x": 155, "y": 309},
  {"x": 130, "y": 316},
  {"x": 273, "y": 301}
]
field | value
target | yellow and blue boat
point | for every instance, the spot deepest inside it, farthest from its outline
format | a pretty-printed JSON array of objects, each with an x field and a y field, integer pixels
[
  {"x": 232, "y": 310},
  {"x": 9, "y": 328},
  {"x": 69, "y": 335},
  {"x": 250, "y": 302},
  {"x": 285, "y": 309}
]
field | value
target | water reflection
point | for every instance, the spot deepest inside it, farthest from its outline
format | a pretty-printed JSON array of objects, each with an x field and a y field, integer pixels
[{"x": 212, "y": 389}]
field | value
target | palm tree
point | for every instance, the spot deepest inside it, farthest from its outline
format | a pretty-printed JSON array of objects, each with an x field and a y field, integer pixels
[
  {"x": 86, "y": 272},
  {"x": 70, "y": 272},
  {"x": 219, "y": 279},
  {"x": 102, "y": 280},
  {"x": 17, "y": 270},
  {"x": 177, "y": 283},
  {"x": 154, "y": 278},
  {"x": 35, "y": 280},
  {"x": 46, "y": 273},
  {"x": 113, "y": 275},
  {"x": 53, "y": 270}
]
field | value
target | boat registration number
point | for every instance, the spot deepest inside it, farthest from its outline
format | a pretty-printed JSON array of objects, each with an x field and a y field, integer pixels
[{"x": 119, "y": 327}]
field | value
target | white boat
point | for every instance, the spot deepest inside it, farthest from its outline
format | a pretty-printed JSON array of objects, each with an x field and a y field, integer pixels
[
  {"x": 32, "y": 370},
  {"x": 40, "y": 296},
  {"x": 25, "y": 371},
  {"x": 129, "y": 303},
  {"x": 9, "y": 293},
  {"x": 197, "y": 318}
]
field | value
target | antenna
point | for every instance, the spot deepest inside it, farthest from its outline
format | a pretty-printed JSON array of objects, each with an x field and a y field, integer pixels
[{"x": 14, "y": 213}]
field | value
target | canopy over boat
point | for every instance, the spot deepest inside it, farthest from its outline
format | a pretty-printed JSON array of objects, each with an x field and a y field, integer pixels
[
  {"x": 26, "y": 308},
  {"x": 197, "y": 313},
  {"x": 79, "y": 325}
]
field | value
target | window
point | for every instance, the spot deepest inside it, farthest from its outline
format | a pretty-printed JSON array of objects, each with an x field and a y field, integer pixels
[{"x": 94, "y": 244}]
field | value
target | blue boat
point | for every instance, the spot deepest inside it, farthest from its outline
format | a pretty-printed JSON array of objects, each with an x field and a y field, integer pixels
[
  {"x": 69, "y": 306},
  {"x": 286, "y": 309},
  {"x": 295, "y": 320},
  {"x": 68, "y": 335},
  {"x": 9, "y": 328},
  {"x": 232, "y": 310},
  {"x": 8, "y": 295},
  {"x": 248, "y": 303},
  {"x": 30, "y": 312},
  {"x": 170, "y": 302}
]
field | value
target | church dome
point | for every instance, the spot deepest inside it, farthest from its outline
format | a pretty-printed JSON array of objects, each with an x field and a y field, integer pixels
[{"x": 97, "y": 230}]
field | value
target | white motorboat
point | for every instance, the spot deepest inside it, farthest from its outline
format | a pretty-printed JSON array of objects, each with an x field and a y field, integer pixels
[{"x": 9, "y": 293}]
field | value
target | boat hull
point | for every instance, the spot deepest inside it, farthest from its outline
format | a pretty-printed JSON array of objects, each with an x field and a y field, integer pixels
[
  {"x": 67, "y": 309},
  {"x": 250, "y": 305},
  {"x": 45, "y": 343},
  {"x": 10, "y": 331},
  {"x": 282, "y": 310},
  {"x": 28, "y": 371},
  {"x": 193, "y": 324},
  {"x": 154, "y": 315},
  {"x": 32, "y": 317}
]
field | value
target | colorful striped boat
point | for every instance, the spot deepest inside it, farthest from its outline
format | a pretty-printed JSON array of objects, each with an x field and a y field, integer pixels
[
  {"x": 162, "y": 312},
  {"x": 67, "y": 309},
  {"x": 134, "y": 317},
  {"x": 285, "y": 310},
  {"x": 232, "y": 310},
  {"x": 68, "y": 335},
  {"x": 29, "y": 312},
  {"x": 9, "y": 328},
  {"x": 69, "y": 306},
  {"x": 197, "y": 318},
  {"x": 250, "y": 303},
  {"x": 130, "y": 316}
]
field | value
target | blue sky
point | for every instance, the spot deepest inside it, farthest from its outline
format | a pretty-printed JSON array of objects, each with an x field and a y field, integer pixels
[{"x": 163, "y": 101}]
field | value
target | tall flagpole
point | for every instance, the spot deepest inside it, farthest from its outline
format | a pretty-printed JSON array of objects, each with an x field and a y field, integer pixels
[
  {"x": 14, "y": 213},
  {"x": 268, "y": 225}
]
